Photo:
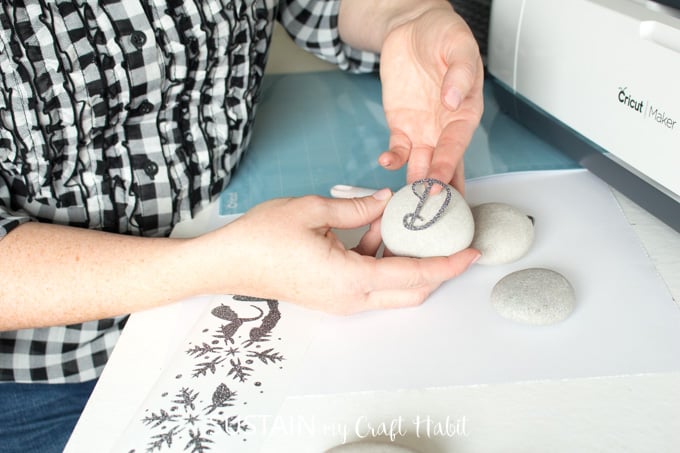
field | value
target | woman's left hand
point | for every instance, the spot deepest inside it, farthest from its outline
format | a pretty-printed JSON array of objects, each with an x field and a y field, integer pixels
[{"x": 432, "y": 76}]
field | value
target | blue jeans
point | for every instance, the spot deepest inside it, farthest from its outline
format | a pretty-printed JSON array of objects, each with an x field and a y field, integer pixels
[{"x": 40, "y": 417}]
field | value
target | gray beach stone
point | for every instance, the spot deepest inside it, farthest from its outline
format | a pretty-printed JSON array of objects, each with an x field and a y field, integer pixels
[
  {"x": 421, "y": 226},
  {"x": 534, "y": 296},
  {"x": 503, "y": 233}
]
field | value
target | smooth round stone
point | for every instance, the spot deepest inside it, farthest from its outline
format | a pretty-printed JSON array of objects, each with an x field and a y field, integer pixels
[
  {"x": 503, "y": 233},
  {"x": 370, "y": 447},
  {"x": 416, "y": 223},
  {"x": 534, "y": 296}
]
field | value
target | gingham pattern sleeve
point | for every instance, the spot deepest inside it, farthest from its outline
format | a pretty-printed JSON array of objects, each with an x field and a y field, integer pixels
[
  {"x": 73, "y": 353},
  {"x": 126, "y": 116},
  {"x": 8, "y": 219},
  {"x": 313, "y": 25}
]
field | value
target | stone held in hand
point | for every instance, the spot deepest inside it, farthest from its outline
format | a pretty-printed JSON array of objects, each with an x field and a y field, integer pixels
[
  {"x": 419, "y": 224},
  {"x": 503, "y": 233},
  {"x": 534, "y": 296}
]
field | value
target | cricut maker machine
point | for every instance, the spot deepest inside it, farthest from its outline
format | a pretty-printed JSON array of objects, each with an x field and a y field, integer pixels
[{"x": 599, "y": 79}]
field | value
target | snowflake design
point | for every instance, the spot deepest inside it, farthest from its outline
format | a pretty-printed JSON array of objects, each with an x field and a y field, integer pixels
[
  {"x": 194, "y": 420},
  {"x": 186, "y": 398},
  {"x": 266, "y": 356},
  {"x": 197, "y": 443},
  {"x": 232, "y": 425},
  {"x": 203, "y": 368},
  {"x": 158, "y": 440},
  {"x": 156, "y": 420},
  {"x": 239, "y": 371},
  {"x": 204, "y": 349}
]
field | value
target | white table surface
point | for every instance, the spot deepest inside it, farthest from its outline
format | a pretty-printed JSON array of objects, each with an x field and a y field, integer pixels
[{"x": 638, "y": 413}]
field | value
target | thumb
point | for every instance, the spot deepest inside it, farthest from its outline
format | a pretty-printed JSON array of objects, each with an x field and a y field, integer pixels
[
  {"x": 459, "y": 78},
  {"x": 356, "y": 212}
]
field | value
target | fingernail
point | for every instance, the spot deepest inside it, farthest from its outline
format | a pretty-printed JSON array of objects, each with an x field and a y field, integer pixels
[
  {"x": 385, "y": 160},
  {"x": 382, "y": 194},
  {"x": 453, "y": 99},
  {"x": 476, "y": 258}
]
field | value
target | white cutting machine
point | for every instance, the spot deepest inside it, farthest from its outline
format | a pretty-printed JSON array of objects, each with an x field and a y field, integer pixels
[{"x": 600, "y": 79}]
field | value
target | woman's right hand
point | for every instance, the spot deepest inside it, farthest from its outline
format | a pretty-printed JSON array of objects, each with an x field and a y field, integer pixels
[{"x": 285, "y": 249}]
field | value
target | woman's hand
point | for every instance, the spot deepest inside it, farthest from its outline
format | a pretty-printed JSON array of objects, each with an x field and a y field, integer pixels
[
  {"x": 286, "y": 249},
  {"x": 432, "y": 77}
]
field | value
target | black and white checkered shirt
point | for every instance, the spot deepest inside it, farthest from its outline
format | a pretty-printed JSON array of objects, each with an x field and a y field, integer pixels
[{"x": 129, "y": 116}]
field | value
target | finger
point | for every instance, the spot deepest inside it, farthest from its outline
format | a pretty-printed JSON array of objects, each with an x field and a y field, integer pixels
[
  {"x": 409, "y": 273},
  {"x": 459, "y": 177},
  {"x": 387, "y": 253},
  {"x": 371, "y": 241},
  {"x": 398, "y": 154},
  {"x": 419, "y": 163},
  {"x": 448, "y": 154},
  {"x": 350, "y": 212},
  {"x": 462, "y": 74},
  {"x": 378, "y": 300}
]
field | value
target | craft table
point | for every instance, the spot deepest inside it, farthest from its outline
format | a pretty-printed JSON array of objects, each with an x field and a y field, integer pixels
[{"x": 636, "y": 413}]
